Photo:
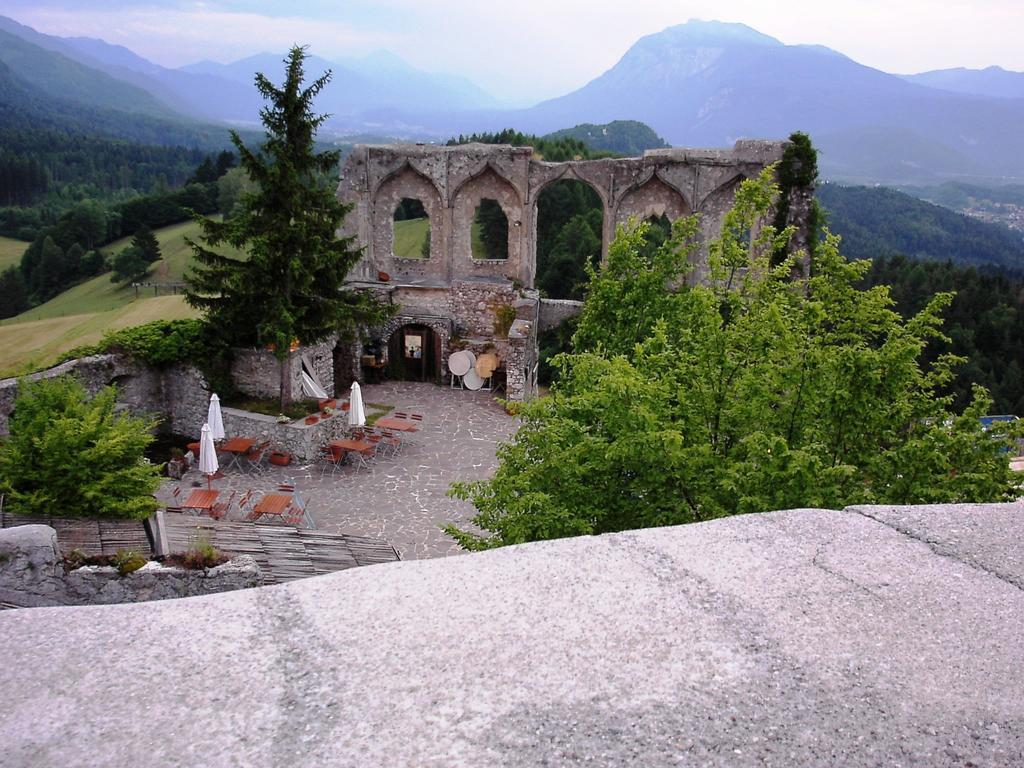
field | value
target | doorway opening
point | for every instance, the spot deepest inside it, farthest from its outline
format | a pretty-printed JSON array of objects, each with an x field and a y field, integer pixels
[{"x": 414, "y": 354}]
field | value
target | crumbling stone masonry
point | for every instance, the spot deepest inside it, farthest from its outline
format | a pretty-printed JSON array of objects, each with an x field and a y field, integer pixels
[{"x": 456, "y": 294}]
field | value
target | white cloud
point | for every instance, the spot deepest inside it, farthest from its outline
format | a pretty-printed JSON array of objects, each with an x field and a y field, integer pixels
[{"x": 173, "y": 37}]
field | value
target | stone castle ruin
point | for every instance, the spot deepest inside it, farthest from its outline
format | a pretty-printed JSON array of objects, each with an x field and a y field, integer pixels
[{"x": 448, "y": 296}]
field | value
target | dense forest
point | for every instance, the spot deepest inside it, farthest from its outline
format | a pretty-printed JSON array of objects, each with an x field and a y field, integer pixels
[
  {"x": 628, "y": 138},
  {"x": 64, "y": 250},
  {"x": 985, "y": 322},
  {"x": 875, "y": 221}
]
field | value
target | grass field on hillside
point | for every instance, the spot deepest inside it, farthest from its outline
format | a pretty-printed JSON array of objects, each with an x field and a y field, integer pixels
[
  {"x": 83, "y": 313},
  {"x": 101, "y": 295},
  {"x": 31, "y": 345},
  {"x": 10, "y": 252},
  {"x": 409, "y": 237}
]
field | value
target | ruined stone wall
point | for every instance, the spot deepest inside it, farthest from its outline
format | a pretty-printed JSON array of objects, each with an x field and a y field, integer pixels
[
  {"x": 32, "y": 573},
  {"x": 257, "y": 373},
  {"x": 94, "y": 372},
  {"x": 451, "y": 182},
  {"x": 554, "y": 312},
  {"x": 302, "y": 440},
  {"x": 474, "y": 306},
  {"x": 177, "y": 395}
]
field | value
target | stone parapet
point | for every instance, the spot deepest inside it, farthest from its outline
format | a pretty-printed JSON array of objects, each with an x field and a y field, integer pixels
[
  {"x": 33, "y": 573},
  {"x": 858, "y": 638}
]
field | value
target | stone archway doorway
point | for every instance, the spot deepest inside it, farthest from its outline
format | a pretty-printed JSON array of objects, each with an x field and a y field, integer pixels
[{"x": 414, "y": 353}]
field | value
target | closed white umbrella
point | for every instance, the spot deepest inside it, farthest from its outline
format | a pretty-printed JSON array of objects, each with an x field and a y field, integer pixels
[
  {"x": 214, "y": 419},
  {"x": 356, "y": 417},
  {"x": 207, "y": 455}
]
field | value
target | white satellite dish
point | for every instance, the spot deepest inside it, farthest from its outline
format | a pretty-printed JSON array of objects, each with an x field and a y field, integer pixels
[
  {"x": 459, "y": 364},
  {"x": 472, "y": 380}
]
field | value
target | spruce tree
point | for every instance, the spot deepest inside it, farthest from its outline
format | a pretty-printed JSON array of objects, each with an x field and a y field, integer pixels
[
  {"x": 290, "y": 286},
  {"x": 145, "y": 241}
]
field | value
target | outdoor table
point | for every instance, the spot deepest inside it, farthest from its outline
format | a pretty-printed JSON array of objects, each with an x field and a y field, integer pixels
[
  {"x": 201, "y": 500},
  {"x": 238, "y": 447},
  {"x": 398, "y": 425},
  {"x": 359, "y": 446},
  {"x": 272, "y": 504}
]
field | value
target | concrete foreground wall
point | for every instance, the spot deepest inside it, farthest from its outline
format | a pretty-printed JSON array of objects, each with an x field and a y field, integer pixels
[{"x": 872, "y": 636}]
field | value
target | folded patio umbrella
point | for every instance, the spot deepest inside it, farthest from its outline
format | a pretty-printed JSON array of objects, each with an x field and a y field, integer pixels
[
  {"x": 311, "y": 388},
  {"x": 356, "y": 417},
  {"x": 207, "y": 455},
  {"x": 214, "y": 418}
]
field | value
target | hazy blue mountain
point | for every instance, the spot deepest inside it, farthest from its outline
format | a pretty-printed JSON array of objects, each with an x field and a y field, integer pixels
[
  {"x": 194, "y": 95},
  {"x": 52, "y": 74},
  {"x": 710, "y": 83},
  {"x": 991, "y": 81},
  {"x": 211, "y": 91},
  {"x": 380, "y": 81}
]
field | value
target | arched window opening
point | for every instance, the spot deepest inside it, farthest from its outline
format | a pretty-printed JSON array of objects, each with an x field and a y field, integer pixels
[
  {"x": 490, "y": 231},
  {"x": 659, "y": 229},
  {"x": 570, "y": 222},
  {"x": 411, "y": 230}
]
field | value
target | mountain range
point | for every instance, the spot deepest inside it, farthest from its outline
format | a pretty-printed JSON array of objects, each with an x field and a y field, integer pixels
[{"x": 696, "y": 84}]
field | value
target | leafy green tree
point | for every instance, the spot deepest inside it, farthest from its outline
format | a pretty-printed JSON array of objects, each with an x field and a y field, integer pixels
[
  {"x": 73, "y": 260},
  {"x": 13, "y": 293},
  {"x": 231, "y": 187},
  {"x": 86, "y": 223},
  {"x": 71, "y": 456},
  {"x": 226, "y": 160},
  {"x": 130, "y": 266},
  {"x": 92, "y": 263},
  {"x": 50, "y": 275},
  {"x": 205, "y": 173},
  {"x": 291, "y": 285},
  {"x": 577, "y": 245},
  {"x": 749, "y": 393},
  {"x": 146, "y": 243}
]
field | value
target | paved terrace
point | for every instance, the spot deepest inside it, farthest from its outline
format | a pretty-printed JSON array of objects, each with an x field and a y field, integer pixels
[
  {"x": 399, "y": 499},
  {"x": 866, "y": 637}
]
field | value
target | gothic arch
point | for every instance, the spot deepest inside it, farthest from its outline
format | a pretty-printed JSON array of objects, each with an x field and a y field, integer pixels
[
  {"x": 406, "y": 167},
  {"x": 406, "y": 181},
  {"x": 481, "y": 172},
  {"x": 653, "y": 196},
  {"x": 569, "y": 172}
]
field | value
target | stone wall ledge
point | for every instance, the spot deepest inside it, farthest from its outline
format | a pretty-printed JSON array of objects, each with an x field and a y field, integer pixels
[{"x": 862, "y": 637}]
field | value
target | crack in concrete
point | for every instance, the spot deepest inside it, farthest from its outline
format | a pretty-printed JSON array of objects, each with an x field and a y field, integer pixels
[
  {"x": 815, "y": 561},
  {"x": 943, "y": 550}
]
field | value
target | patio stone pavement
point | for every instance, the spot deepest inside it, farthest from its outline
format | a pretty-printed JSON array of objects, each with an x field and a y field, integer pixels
[{"x": 400, "y": 499}]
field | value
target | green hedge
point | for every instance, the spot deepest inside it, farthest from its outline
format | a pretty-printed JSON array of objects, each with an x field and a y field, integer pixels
[{"x": 161, "y": 342}]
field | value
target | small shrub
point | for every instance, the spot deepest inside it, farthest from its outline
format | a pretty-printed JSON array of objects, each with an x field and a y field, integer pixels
[
  {"x": 200, "y": 556},
  {"x": 76, "y": 558},
  {"x": 74, "y": 453},
  {"x": 504, "y": 316},
  {"x": 127, "y": 561}
]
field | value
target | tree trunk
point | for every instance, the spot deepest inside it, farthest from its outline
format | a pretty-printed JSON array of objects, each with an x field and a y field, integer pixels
[{"x": 286, "y": 384}]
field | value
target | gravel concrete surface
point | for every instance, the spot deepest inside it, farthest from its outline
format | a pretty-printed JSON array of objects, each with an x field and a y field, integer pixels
[{"x": 873, "y": 636}]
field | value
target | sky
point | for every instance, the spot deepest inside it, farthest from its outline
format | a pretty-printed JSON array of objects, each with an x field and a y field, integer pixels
[{"x": 528, "y": 50}]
